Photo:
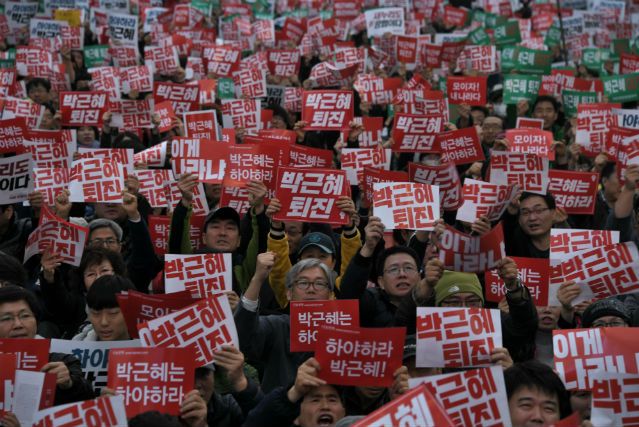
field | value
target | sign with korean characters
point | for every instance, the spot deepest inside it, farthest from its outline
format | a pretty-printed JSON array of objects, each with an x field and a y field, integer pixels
[
  {"x": 406, "y": 205},
  {"x": 308, "y": 316}
]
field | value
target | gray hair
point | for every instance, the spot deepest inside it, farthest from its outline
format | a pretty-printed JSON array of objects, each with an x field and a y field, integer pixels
[
  {"x": 307, "y": 264},
  {"x": 106, "y": 223}
]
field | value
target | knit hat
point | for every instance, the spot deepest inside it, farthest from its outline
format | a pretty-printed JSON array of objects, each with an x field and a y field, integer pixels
[
  {"x": 453, "y": 282},
  {"x": 605, "y": 307}
]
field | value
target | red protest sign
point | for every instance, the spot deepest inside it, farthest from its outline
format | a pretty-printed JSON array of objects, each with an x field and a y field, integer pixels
[
  {"x": 365, "y": 357},
  {"x": 600, "y": 272},
  {"x": 30, "y": 354},
  {"x": 534, "y": 273},
  {"x": 466, "y": 90},
  {"x": 174, "y": 196},
  {"x": 310, "y": 194},
  {"x": 202, "y": 125},
  {"x": 307, "y": 317},
  {"x": 579, "y": 353},
  {"x": 614, "y": 399},
  {"x": 159, "y": 231},
  {"x": 283, "y": 63},
  {"x": 528, "y": 171},
  {"x": 373, "y": 175},
  {"x": 327, "y": 109},
  {"x": 251, "y": 82},
  {"x": 152, "y": 185},
  {"x": 221, "y": 60},
  {"x": 50, "y": 182},
  {"x": 628, "y": 63},
  {"x": 308, "y": 157},
  {"x": 531, "y": 141},
  {"x": 471, "y": 254},
  {"x": 204, "y": 158},
  {"x": 285, "y": 135},
  {"x": 236, "y": 198},
  {"x": 109, "y": 410},
  {"x": 96, "y": 180},
  {"x": 406, "y": 205},
  {"x": 460, "y": 146},
  {"x": 406, "y": 50},
  {"x": 594, "y": 122},
  {"x": 416, "y": 407},
  {"x": 138, "y": 307},
  {"x": 64, "y": 238},
  {"x": 484, "y": 199},
  {"x": 132, "y": 114},
  {"x": 455, "y": 16},
  {"x": 377, "y": 90},
  {"x": 371, "y": 136},
  {"x": 416, "y": 133},
  {"x": 165, "y": 59},
  {"x": 202, "y": 328},
  {"x": 165, "y": 111},
  {"x": 151, "y": 378},
  {"x": 566, "y": 242},
  {"x": 12, "y": 133},
  {"x": 241, "y": 113},
  {"x": 83, "y": 108},
  {"x": 200, "y": 274},
  {"x": 616, "y": 142},
  {"x": 472, "y": 397},
  {"x": 479, "y": 58},
  {"x": 456, "y": 337},
  {"x": 139, "y": 78},
  {"x": 183, "y": 97},
  {"x": 528, "y": 123},
  {"x": 444, "y": 176},
  {"x": 576, "y": 192},
  {"x": 7, "y": 379}
]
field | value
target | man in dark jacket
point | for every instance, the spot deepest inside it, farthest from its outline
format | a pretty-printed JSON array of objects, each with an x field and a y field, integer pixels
[
  {"x": 14, "y": 231},
  {"x": 231, "y": 409},
  {"x": 18, "y": 308}
]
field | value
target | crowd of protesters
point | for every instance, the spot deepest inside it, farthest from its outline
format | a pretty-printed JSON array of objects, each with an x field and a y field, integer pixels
[{"x": 263, "y": 383}]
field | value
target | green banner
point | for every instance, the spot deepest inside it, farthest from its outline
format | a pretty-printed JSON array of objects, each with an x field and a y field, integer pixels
[
  {"x": 492, "y": 20},
  {"x": 572, "y": 98},
  {"x": 96, "y": 55},
  {"x": 204, "y": 6},
  {"x": 479, "y": 37},
  {"x": 532, "y": 61},
  {"x": 593, "y": 58},
  {"x": 623, "y": 88},
  {"x": 520, "y": 86},
  {"x": 508, "y": 54},
  {"x": 8, "y": 58},
  {"x": 225, "y": 88},
  {"x": 553, "y": 36},
  {"x": 507, "y": 33}
]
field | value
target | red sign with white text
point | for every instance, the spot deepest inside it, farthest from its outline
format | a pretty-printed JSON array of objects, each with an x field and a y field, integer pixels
[
  {"x": 471, "y": 254},
  {"x": 83, "y": 108},
  {"x": 445, "y": 176},
  {"x": 581, "y": 352},
  {"x": 151, "y": 378},
  {"x": 365, "y": 357},
  {"x": 327, "y": 109},
  {"x": 307, "y": 317},
  {"x": 576, "y": 192},
  {"x": 309, "y": 194},
  {"x": 205, "y": 158},
  {"x": 531, "y": 141},
  {"x": 534, "y": 273},
  {"x": 460, "y": 146},
  {"x": 31, "y": 354},
  {"x": 466, "y": 90},
  {"x": 416, "y": 133}
]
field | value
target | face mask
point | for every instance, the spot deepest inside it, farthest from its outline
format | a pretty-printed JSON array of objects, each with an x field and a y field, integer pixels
[{"x": 500, "y": 109}]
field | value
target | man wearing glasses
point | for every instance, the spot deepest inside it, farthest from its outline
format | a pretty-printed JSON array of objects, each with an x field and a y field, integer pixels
[
  {"x": 527, "y": 227},
  {"x": 266, "y": 339}
]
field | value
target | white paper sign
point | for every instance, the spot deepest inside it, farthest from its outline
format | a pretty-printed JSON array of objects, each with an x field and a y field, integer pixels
[
  {"x": 484, "y": 199},
  {"x": 385, "y": 20},
  {"x": 403, "y": 205}
]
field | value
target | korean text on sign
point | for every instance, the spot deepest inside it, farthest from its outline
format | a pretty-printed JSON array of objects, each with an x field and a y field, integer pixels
[
  {"x": 308, "y": 316},
  {"x": 327, "y": 109},
  {"x": 456, "y": 337},
  {"x": 406, "y": 205},
  {"x": 201, "y": 274}
]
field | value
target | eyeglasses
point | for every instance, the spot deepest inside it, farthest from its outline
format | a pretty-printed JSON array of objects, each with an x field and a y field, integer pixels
[
  {"x": 474, "y": 302},
  {"x": 10, "y": 318},
  {"x": 104, "y": 242},
  {"x": 537, "y": 211},
  {"x": 95, "y": 274},
  {"x": 395, "y": 270},
  {"x": 304, "y": 285},
  {"x": 612, "y": 324}
]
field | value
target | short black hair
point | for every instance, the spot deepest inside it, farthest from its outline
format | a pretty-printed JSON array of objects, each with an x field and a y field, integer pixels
[
  {"x": 96, "y": 255},
  {"x": 102, "y": 293},
  {"x": 548, "y": 198},
  {"x": 12, "y": 271},
  {"x": 537, "y": 376},
  {"x": 381, "y": 260},
  {"x": 49, "y": 106},
  {"x": 480, "y": 108},
  {"x": 128, "y": 140},
  {"x": 13, "y": 293},
  {"x": 154, "y": 419},
  {"x": 547, "y": 98},
  {"x": 608, "y": 169},
  {"x": 38, "y": 82}
]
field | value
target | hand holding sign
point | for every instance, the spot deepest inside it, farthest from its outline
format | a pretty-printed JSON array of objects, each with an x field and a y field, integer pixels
[
  {"x": 193, "y": 409},
  {"x": 374, "y": 232},
  {"x": 186, "y": 185},
  {"x": 305, "y": 380},
  {"x": 508, "y": 273}
]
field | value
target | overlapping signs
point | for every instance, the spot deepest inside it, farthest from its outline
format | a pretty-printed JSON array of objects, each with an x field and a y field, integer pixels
[{"x": 406, "y": 205}]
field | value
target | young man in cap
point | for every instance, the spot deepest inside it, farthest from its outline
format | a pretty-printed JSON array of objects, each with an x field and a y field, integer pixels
[
  {"x": 221, "y": 232},
  {"x": 313, "y": 245}
]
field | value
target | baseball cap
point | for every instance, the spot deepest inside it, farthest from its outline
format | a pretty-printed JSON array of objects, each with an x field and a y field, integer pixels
[
  {"x": 453, "y": 282},
  {"x": 318, "y": 239},
  {"x": 220, "y": 214}
]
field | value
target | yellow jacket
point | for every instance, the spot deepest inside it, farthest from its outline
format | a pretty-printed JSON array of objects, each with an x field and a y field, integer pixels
[{"x": 277, "y": 277}]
